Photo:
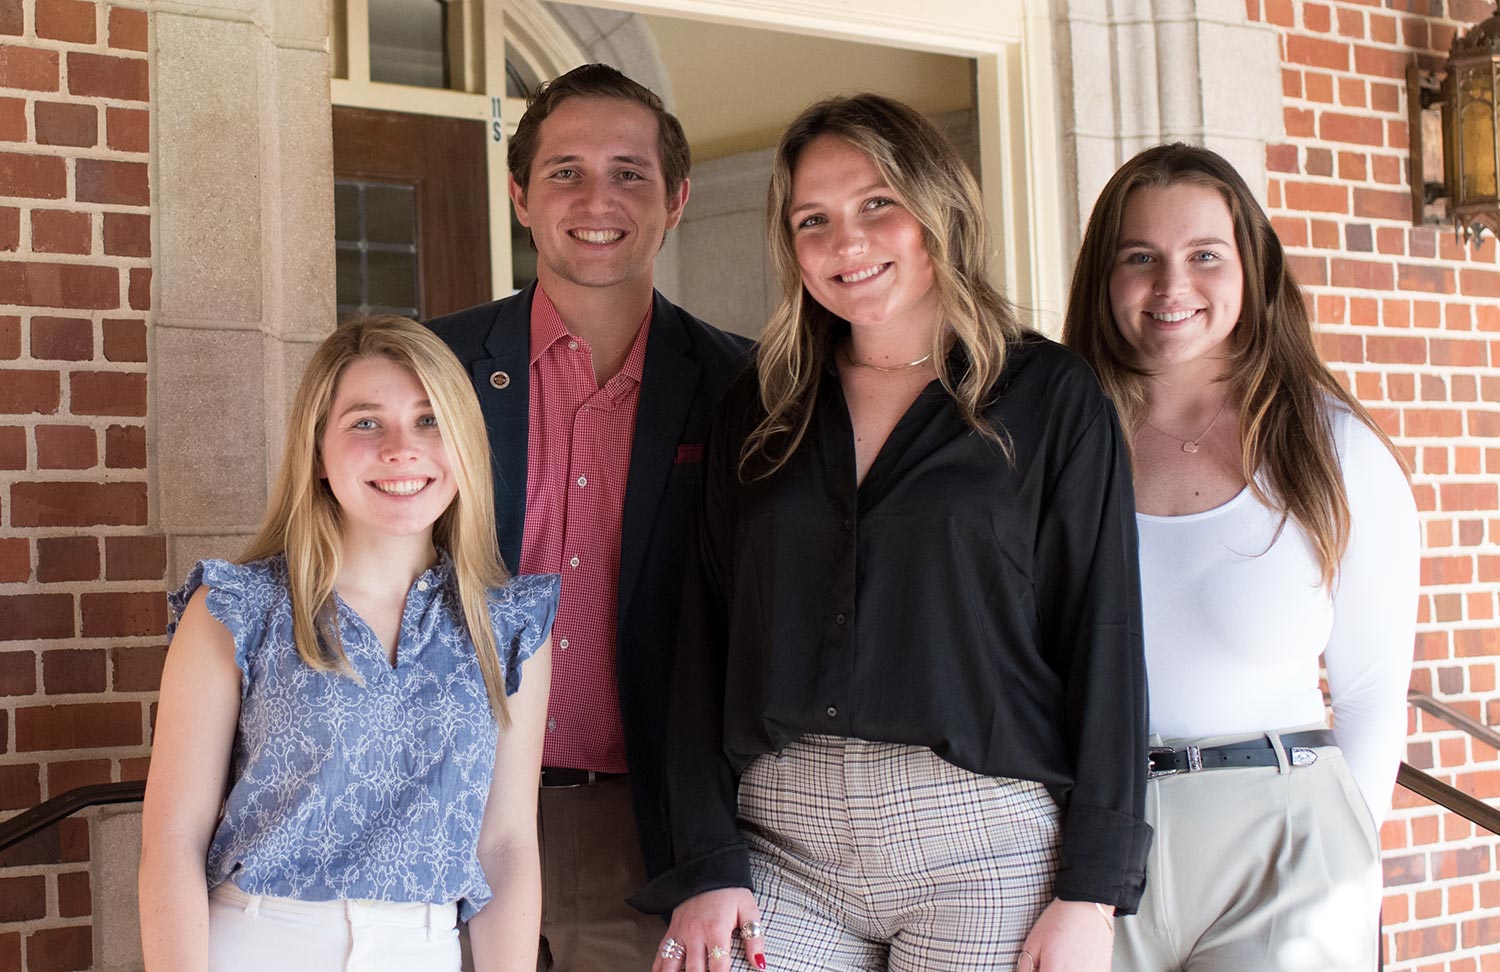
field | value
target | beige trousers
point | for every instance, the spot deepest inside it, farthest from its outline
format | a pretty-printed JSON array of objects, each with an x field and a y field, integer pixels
[
  {"x": 1260, "y": 869},
  {"x": 591, "y": 862}
]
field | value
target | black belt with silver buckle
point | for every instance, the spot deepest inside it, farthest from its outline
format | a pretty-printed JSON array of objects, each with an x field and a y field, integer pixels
[
  {"x": 1167, "y": 761},
  {"x": 562, "y": 776}
]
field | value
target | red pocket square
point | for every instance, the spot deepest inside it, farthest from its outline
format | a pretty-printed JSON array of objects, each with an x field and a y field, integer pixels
[{"x": 689, "y": 453}]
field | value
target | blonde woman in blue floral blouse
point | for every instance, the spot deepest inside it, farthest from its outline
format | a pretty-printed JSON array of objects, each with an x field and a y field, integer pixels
[{"x": 346, "y": 754}]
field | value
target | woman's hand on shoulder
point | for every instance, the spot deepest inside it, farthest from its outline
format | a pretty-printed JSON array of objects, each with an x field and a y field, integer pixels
[
  {"x": 1069, "y": 936},
  {"x": 707, "y": 921}
]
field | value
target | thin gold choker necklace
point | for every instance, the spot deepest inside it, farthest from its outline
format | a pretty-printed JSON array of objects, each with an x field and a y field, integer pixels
[{"x": 875, "y": 367}]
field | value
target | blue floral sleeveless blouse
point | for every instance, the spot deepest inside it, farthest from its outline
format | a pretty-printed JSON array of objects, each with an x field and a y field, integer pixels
[{"x": 375, "y": 790}]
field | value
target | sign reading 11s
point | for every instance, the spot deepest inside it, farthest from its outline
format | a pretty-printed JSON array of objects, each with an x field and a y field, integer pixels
[{"x": 497, "y": 129}]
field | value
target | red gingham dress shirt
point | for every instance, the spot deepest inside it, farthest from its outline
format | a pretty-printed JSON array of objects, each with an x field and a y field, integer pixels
[{"x": 578, "y": 454}]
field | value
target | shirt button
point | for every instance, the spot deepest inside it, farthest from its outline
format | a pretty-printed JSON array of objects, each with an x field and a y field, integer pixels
[
  {"x": 421, "y": 585},
  {"x": 848, "y": 524},
  {"x": 563, "y": 645},
  {"x": 572, "y": 345},
  {"x": 833, "y": 712},
  {"x": 840, "y": 618},
  {"x": 583, "y": 480},
  {"x": 551, "y": 724},
  {"x": 573, "y": 562}
]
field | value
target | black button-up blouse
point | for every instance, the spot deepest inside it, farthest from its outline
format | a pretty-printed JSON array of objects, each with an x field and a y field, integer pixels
[{"x": 985, "y": 607}]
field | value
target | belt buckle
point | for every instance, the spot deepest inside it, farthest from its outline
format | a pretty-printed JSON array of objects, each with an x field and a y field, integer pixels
[
  {"x": 1303, "y": 756},
  {"x": 1194, "y": 756},
  {"x": 1152, "y": 773}
]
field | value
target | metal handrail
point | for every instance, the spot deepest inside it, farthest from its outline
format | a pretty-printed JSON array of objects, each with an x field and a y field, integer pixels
[
  {"x": 1423, "y": 784},
  {"x": 49, "y": 812}
]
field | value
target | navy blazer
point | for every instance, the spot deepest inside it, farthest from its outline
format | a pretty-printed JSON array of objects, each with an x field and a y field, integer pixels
[{"x": 689, "y": 366}]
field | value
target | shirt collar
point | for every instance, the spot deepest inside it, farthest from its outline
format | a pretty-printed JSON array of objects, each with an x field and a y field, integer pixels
[{"x": 547, "y": 328}]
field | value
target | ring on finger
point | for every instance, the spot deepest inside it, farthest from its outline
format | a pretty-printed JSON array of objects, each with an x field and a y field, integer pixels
[
  {"x": 672, "y": 950},
  {"x": 1030, "y": 960},
  {"x": 750, "y": 929},
  {"x": 716, "y": 952}
]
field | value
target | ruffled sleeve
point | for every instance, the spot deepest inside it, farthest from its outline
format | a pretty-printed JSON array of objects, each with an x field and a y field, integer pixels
[
  {"x": 240, "y": 597},
  {"x": 522, "y": 613}
]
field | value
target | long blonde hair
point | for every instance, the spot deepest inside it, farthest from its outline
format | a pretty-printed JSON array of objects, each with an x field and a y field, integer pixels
[
  {"x": 303, "y": 519},
  {"x": 924, "y": 170},
  {"x": 1284, "y": 389}
]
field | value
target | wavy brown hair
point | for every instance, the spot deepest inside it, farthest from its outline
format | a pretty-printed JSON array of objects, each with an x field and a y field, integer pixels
[
  {"x": 925, "y": 172},
  {"x": 1283, "y": 386},
  {"x": 303, "y": 520}
]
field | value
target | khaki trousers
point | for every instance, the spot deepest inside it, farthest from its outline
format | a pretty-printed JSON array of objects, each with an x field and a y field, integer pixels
[
  {"x": 1260, "y": 869},
  {"x": 591, "y": 862}
]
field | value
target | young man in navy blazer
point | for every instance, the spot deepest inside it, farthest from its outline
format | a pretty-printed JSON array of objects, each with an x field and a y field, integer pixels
[{"x": 597, "y": 392}]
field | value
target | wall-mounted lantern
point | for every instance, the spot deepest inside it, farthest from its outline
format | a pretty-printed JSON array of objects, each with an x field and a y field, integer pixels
[{"x": 1465, "y": 94}]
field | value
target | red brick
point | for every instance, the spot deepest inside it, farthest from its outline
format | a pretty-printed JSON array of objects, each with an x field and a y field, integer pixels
[
  {"x": 20, "y": 787},
  {"x": 1432, "y": 423},
  {"x": 105, "y": 76},
  {"x": 67, "y": 559},
  {"x": 10, "y": 230},
  {"x": 135, "y": 558},
  {"x": 23, "y": 898},
  {"x": 1405, "y": 870},
  {"x": 1479, "y": 283},
  {"x": 127, "y": 129},
  {"x": 1362, "y": 274},
  {"x": 1318, "y": 87},
  {"x": 1380, "y": 204},
  {"x": 1291, "y": 84},
  {"x": 1319, "y": 162},
  {"x": 13, "y": 22},
  {"x": 1358, "y": 129},
  {"x": 1316, "y": 52},
  {"x": 13, "y": 126},
  {"x": 15, "y": 560},
  {"x": 1414, "y": 33},
  {"x": 92, "y": 725},
  {"x": 1425, "y": 278},
  {"x": 1317, "y": 17},
  {"x": 28, "y": 68},
  {"x": 107, "y": 393},
  {"x": 12, "y": 447},
  {"x": 33, "y": 176},
  {"x": 1363, "y": 310},
  {"x": 1278, "y": 12},
  {"x": 127, "y": 29},
  {"x": 1484, "y": 424},
  {"x": 122, "y": 183},
  {"x": 117, "y": 615},
  {"x": 1395, "y": 134},
  {"x": 138, "y": 669},
  {"x": 140, "y": 289},
  {"x": 125, "y": 447},
  {"x": 1291, "y": 231},
  {"x": 1308, "y": 271},
  {"x": 60, "y": 949},
  {"x": 1281, "y": 158},
  {"x": 1469, "y": 496},
  {"x": 1342, "y": 348},
  {"x": 62, "y": 338},
  {"x": 1317, "y": 197},
  {"x": 124, "y": 338},
  {"x": 1299, "y": 123},
  {"x": 1351, "y": 22},
  {"x": 66, "y": 447},
  {"x": 1325, "y": 234},
  {"x": 136, "y": 768},
  {"x": 17, "y": 673},
  {"x": 27, "y": 392},
  {"x": 66, "y": 20},
  {"x": 61, "y": 231},
  {"x": 74, "y": 896},
  {"x": 10, "y": 338},
  {"x": 1390, "y": 240},
  {"x": 1385, "y": 97},
  {"x": 127, "y": 234},
  {"x": 70, "y": 671},
  {"x": 66, "y": 285},
  {"x": 1379, "y": 62},
  {"x": 33, "y": 617},
  {"x": 1457, "y": 352},
  {"x": 66, "y": 124},
  {"x": 77, "y": 504}
]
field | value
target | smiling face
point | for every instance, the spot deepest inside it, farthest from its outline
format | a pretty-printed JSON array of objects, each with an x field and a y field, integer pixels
[
  {"x": 596, "y": 200},
  {"x": 1177, "y": 282},
  {"x": 382, "y": 453},
  {"x": 861, "y": 251}
]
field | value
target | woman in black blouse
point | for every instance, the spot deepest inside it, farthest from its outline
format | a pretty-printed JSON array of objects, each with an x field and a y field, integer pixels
[{"x": 909, "y": 708}]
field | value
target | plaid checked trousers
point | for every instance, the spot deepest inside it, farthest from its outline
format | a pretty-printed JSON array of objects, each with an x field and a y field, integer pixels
[{"x": 870, "y": 857}]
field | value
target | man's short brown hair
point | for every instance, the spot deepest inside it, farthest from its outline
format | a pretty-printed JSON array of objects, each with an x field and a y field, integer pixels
[{"x": 597, "y": 81}]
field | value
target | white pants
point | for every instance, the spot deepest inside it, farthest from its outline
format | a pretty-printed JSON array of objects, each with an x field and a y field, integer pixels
[{"x": 256, "y": 933}]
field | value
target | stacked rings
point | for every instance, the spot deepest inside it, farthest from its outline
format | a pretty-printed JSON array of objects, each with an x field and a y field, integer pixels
[{"x": 672, "y": 950}]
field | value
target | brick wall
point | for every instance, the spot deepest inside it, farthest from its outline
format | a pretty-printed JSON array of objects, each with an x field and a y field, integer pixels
[
  {"x": 81, "y": 574},
  {"x": 1410, "y": 317}
]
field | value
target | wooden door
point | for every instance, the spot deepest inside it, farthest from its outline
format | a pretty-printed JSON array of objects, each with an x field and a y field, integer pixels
[{"x": 412, "y": 213}]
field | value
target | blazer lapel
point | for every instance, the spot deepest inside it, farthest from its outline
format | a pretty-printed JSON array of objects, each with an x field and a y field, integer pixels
[
  {"x": 503, "y": 382},
  {"x": 668, "y": 383}
]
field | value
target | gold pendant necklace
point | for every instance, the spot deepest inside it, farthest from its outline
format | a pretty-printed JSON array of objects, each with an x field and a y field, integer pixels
[{"x": 1191, "y": 445}]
